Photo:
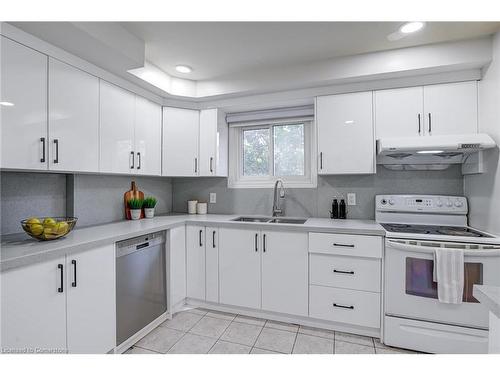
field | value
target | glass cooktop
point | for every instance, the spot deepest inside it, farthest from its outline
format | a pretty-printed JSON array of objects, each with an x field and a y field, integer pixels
[{"x": 433, "y": 229}]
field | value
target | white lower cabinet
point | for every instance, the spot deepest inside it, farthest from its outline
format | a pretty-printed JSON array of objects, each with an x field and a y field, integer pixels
[
  {"x": 195, "y": 262},
  {"x": 284, "y": 272},
  {"x": 177, "y": 249},
  {"x": 212, "y": 264},
  {"x": 239, "y": 267},
  {"x": 46, "y": 309}
]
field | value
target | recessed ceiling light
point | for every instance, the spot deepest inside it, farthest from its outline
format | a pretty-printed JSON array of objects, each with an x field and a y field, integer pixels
[
  {"x": 7, "y": 104},
  {"x": 183, "y": 69},
  {"x": 411, "y": 27}
]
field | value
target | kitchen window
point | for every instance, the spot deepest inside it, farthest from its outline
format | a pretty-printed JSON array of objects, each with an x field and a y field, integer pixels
[{"x": 261, "y": 153}]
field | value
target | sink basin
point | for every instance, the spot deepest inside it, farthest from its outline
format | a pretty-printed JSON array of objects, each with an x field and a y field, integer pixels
[
  {"x": 275, "y": 220},
  {"x": 251, "y": 219},
  {"x": 284, "y": 220}
]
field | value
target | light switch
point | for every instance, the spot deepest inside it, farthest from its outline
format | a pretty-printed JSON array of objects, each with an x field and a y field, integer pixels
[
  {"x": 351, "y": 199},
  {"x": 213, "y": 198}
]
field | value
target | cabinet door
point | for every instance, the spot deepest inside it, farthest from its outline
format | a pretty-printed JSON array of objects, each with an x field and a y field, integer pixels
[
  {"x": 195, "y": 261},
  {"x": 451, "y": 108},
  {"x": 34, "y": 307},
  {"x": 399, "y": 112},
  {"x": 147, "y": 137},
  {"x": 73, "y": 119},
  {"x": 208, "y": 142},
  {"x": 212, "y": 264},
  {"x": 91, "y": 300},
  {"x": 285, "y": 272},
  {"x": 177, "y": 246},
  {"x": 180, "y": 142},
  {"x": 117, "y": 112},
  {"x": 239, "y": 267},
  {"x": 24, "y": 112},
  {"x": 346, "y": 141}
]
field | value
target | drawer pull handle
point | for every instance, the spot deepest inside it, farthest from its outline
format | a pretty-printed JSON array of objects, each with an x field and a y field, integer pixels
[
  {"x": 344, "y": 272},
  {"x": 342, "y": 245},
  {"x": 343, "y": 306}
]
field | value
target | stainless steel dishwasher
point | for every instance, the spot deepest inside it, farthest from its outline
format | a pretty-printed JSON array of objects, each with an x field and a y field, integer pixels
[{"x": 141, "y": 290}]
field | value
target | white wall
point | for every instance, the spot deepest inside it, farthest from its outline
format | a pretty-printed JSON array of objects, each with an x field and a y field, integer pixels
[{"x": 483, "y": 190}]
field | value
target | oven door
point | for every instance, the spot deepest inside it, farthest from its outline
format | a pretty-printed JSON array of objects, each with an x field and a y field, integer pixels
[{"x": 411, "y": 293}]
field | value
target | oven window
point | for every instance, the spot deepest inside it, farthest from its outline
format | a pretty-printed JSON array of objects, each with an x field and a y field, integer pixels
[{"x": 419, "y": 282}]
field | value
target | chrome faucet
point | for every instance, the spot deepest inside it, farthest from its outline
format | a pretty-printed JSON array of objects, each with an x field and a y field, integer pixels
[{"x": 277, "y": 210}]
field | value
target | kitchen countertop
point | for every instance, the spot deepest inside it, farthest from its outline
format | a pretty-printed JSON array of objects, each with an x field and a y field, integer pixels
[
  {"x": 20, "y": 250},
  {"x": 488, "y": 295}
]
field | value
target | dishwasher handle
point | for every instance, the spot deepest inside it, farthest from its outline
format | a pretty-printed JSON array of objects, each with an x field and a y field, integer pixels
[{"x": 129, "y": 247}]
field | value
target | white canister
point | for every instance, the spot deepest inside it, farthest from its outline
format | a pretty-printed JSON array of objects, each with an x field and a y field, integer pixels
[
  {"x": 192, "y": 207},
  {"x": 201, "y": 208}
]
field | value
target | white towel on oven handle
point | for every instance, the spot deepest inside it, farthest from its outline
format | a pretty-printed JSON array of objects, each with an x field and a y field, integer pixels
[{"x": 449, "y": 274}]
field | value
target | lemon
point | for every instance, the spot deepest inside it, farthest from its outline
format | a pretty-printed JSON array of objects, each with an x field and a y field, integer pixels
[
  {"x": 61, "y": 227},
  {"x": 36, "y": 229},
  {"x": 49, "y": 222},
  {"x": 33, "y": 220}
]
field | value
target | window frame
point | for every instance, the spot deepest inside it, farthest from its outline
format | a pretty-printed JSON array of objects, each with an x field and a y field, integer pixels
[{"x": 238, "y": 180}]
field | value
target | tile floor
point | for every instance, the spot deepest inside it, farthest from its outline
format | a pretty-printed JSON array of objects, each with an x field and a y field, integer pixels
[{"x": 200, "y": 331}]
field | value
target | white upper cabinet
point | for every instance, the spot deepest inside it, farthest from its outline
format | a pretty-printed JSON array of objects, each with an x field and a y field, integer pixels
[
  {"x": 73, "y": 119},
  {"x": 208, "y": 142},
  {"x": 180, "y": 142},
  {"x": 451, "y": 108},
  {"x": 147, "y": 137},
  {"x": 345, "y": 134},
  {"x": 117, "y": 112},
  {"x": 399, "y": 112},
  {"x": 24, "y": 123}
]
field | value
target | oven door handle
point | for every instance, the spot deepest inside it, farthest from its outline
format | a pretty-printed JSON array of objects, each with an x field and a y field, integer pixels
[{"x": 494, "y": 251}]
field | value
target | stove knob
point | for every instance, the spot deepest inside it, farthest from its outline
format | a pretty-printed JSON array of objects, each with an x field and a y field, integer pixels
[
  {"x": 439, "y": 203},
  {"x": 383, "y": 201},
  {"x": 391, "y": 202},
  {"x": 449, "y": 203},
  {"x": 458, "y": 203}
]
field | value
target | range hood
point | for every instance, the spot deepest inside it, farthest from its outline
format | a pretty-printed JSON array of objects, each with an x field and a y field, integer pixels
[{"x": 431, "y": 152}]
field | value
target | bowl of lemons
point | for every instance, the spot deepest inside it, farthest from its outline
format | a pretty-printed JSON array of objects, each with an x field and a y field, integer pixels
[{"x": 48, "y": 228}]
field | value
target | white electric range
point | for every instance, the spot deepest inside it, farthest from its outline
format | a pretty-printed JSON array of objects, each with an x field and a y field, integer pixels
[{"x": 413, "y": 317}]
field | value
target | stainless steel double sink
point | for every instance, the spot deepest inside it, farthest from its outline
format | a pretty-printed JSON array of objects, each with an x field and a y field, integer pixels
[{"x": 270, "y": 220}]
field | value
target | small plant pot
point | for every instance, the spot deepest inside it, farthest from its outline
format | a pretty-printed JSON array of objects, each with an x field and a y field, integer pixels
[
  {"x": 135, "y": 214},
  {"x": 149, "y": 213}
]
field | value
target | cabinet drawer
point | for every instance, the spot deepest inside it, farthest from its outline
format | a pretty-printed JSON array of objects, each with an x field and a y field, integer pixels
[
  {"x": 345, "y": 306},
  {"x": 345, "y": 244},
  {"x": 345, "y": 272}
]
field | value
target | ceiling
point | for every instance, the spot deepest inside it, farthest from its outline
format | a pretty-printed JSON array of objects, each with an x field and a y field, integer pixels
[{"x": 218, "y": 49}]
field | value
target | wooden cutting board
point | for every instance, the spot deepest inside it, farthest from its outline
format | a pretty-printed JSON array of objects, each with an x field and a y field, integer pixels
[{"x": 131, "y": 194}]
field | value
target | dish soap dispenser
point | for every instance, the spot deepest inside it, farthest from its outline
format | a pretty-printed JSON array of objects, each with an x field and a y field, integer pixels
[
  {"x": 334, "y": 213},
  {"x": 342, "y": 209}
]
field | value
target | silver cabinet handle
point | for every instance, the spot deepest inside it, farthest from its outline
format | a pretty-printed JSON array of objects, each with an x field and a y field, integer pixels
[
  {"x": 133, "y": 159},
  {"x": 343, "y": 272},
  {"x": 419, "y": 125},
  {"x": 211, "y": 164},
  {"x": 321, "y": 160},
  {"x": 138, "y": 160},
  {"x": 342, "y": 245},
  {"x": 430, "y": 123},
  {"x": 56, "y": 144},
  {"x": 42, "y": 159},
  {"x": 256, "y": 242},
  {"x": 343, "y": 306}
]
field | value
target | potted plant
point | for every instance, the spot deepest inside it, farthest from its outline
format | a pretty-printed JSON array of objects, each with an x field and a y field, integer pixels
[
  {"x": 135, "y": 206},
  {"x": 149, "y": 207}
]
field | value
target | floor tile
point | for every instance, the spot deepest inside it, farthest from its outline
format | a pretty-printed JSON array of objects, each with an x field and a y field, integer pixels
[
  {"x": 210, "y": 327},
  {"x": 241, "y": 333},
  {"x": 137, "y": 350},
  {"x": 276, "y": 340},
  {"x": 182, "y": 321},
  {"x": 224, "y": 347},
  {"x": 325, "y": 333},
  {"x": 198, "y": 311},
  {"x": 354, "y": 339},
  {"x": 262, "y": 351},
  {"x": 220, "y": 315},
  {"x": 161, "y": 339},
  {"x": 344, "y": 347},
  {"x": 283, "y": 326},
  {"x": 250, "y": 320},
  {"x": 192, "y": 344},
  {"x": 306, "y": 344}
]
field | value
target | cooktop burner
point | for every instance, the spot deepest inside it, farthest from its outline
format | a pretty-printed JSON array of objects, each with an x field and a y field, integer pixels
[{"x": 433, "y": 229}]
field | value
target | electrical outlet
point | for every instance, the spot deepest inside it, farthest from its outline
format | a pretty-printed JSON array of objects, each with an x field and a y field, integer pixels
[
  {"x": 213, "y": 198},
  {"x": 351, "y": 199}
]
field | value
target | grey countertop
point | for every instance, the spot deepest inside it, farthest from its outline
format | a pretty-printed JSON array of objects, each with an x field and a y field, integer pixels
[
  {"x": 488, "y": 295},
  {"x": 20, "y": 250}
]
